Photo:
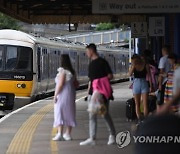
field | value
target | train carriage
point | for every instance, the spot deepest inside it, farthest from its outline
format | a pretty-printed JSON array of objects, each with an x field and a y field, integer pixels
[{"x": 28, "y": 65}]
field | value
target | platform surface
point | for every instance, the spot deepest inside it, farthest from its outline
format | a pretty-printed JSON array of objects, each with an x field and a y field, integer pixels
[{"x": 29, "y": 130}]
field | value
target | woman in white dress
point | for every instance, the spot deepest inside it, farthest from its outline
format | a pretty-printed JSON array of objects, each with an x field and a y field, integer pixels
[{"x": 64, "y": 99}]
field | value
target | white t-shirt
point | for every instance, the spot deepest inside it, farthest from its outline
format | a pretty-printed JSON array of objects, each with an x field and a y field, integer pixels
[{"x": 165, "y": 65}]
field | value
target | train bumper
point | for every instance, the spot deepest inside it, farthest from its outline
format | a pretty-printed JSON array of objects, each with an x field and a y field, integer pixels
[{"x": 6, "y": 101}]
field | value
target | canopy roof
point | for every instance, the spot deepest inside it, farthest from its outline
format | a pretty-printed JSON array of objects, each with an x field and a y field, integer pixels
[{"x": 58, "y": 11}]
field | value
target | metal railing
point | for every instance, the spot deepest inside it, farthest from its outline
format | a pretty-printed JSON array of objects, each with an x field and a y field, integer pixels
[{"x": 103, "y": 37}]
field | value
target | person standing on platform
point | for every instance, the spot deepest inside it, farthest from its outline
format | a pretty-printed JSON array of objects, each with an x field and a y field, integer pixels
[
  {"x": 164, "y": 67},
  {"x": 141, "y": 89},
  {"x": 165, "y": 108},
  {"x": 99, "y": 70},
  {"x": 64, "y": 99},
  {"x": 169, "y": 84}
]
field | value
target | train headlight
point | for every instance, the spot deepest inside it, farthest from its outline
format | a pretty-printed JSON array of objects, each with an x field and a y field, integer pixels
[
  {"x": 23, "y": 85},
  {"x": 19, "y": 85}
]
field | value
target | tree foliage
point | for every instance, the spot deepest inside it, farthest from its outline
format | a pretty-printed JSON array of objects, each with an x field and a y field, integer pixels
[
  {"x": 105, "y": 26},
  {"x": 7, "y": 22}
]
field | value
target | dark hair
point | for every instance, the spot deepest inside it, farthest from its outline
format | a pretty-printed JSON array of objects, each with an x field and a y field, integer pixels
[
  {"x": 173, "y": 56},
  {"x": 166, "y": 48},
  {"x": 92, "y": 46},
  {"x": 66, "y": 63},
  {"x": 137, "y": 58}
]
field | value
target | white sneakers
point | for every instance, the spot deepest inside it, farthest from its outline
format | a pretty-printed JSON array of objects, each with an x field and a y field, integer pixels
[
  {"x": 59, "y": 137},
  {"x": 111, "y": 140},
  {"x": 89, "y": 141},
  {"x": 67, "y": 137}
]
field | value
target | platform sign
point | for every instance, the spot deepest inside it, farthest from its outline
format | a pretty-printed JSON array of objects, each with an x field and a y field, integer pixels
[
  {"x": 156, "y": 26},
  {"x": 135, "y": 6},
  {"x": 138, "y": 29}
]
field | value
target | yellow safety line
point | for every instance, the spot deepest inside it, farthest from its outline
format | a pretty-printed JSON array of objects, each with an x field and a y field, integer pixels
[
  {"x": 54, "y": 147},
  {"x": 22, "y": 140}
]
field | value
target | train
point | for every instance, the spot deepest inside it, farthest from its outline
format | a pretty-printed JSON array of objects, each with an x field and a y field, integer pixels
[{"x": 29, "y": 63}]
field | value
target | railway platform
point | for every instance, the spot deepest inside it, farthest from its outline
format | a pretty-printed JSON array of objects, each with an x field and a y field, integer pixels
[{"x": 28, "y": 130}]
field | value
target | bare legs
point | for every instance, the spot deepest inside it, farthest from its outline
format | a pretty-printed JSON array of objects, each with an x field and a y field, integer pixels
[
  {"x": 145, "y": 103},
  {"x": 60, "y": 129},
  {"x": 137, "y": 98},
  {"x": 68, "y": 130}
]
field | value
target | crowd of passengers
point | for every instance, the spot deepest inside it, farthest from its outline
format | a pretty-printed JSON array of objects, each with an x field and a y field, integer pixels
[{"x": 161, "y": 80}]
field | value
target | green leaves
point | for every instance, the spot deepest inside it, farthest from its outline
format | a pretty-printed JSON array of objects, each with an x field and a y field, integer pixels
[
  {"x": 105, "y": 26},
  {"x": 7, "y": 22}
]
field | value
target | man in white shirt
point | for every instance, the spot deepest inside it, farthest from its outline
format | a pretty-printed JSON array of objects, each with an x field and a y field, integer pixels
[{"x": 164, "y": 67}]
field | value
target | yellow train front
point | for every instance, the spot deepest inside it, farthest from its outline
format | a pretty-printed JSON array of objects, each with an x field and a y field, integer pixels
[{"x": 16, "y": 71}]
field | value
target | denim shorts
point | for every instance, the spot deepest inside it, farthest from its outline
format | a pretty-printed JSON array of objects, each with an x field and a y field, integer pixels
[{"x": 140, "y": 86}]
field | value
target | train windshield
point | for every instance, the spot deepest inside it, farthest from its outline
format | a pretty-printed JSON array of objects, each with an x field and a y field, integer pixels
[
  {"x": 15, "y": 58},
  {"x": 18, "y": 58}
]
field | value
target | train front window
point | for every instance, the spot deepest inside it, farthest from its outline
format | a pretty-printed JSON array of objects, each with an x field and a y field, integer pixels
[
  {"x": 18, "y": 58},
  {"x": 1, "y": 57}
]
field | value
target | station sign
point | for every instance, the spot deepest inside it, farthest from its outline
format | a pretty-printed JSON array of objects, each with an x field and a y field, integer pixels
[
  {"x": 135, "y": 6},
  {"x": 139, "y": 29},
  {"x": 156, "y": 26}
]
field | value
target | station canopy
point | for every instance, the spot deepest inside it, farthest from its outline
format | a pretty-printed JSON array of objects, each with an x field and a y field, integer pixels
[{"x": 59, "y": 11}]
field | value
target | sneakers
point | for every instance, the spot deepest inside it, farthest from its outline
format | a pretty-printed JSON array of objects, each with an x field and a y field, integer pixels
[
  {"x": 58, "y": 137},
  {"x": 89, "y": 141},
  {"x": 67, "y": 137},
  {"x": 111, "y": 140}
]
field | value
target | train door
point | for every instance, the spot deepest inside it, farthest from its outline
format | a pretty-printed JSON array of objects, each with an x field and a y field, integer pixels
[
  {"x": 83, "y": 67},
  {"x": 54, "y": 56},
  {"x": 123, "y": 64},
  {"x": 127, "y": 63},
  {"x": 38, "y": 86},
  {"x": 42, "y": 63},
  {"x": 120, "y": 64},
  {"x": 114, "y": 64}
]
